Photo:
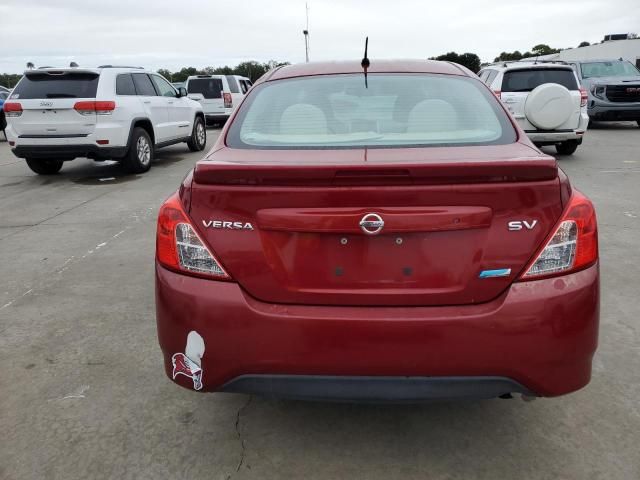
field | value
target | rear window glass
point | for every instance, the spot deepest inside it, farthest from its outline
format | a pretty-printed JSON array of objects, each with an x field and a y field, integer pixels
[
  {"x": 124, "y": 85},
  {"x": 67, "y": 85},
  {"x": 208, "y": 87},
  {"x": 527, "y": 80},
  {"x": 233, "y": 84},
  {"x": 396, "y": 110}
]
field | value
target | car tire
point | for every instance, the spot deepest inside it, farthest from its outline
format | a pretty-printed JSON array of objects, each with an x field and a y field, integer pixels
[
  {"x": 638, "y": 122},
  {"x": 567, "y": 148},
  {"x": 198, "y": 139},
  {"x": 44, "y": 167},
  {"x": 140, "y": 154}
]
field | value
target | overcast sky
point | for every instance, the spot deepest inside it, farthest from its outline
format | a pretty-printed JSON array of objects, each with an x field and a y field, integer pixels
[{"x": 176, "y": 33}]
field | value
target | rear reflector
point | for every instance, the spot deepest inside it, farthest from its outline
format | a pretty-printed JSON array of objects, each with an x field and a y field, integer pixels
[
  {"x": 102, "y": 142},
  {"x": 97, "y": 107},
  {"x": 12, "y": 109},
  {"x": 573, "y": 245},
  {"x": 179, "y": 247}
]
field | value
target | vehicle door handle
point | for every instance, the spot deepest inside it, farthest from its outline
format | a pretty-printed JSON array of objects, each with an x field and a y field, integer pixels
[{"x": 147, "y": 101}]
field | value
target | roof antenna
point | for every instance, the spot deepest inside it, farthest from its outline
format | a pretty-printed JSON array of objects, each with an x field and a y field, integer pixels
[{"x": 365, "y": 62}]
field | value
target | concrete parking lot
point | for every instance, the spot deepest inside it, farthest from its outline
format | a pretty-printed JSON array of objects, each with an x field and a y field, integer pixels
[{"x": 83, "y": 394}]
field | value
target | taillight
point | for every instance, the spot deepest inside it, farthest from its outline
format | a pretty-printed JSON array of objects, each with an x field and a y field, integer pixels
[
  {"x": 179, "y": 247},
  {"x": 497, "y": 93},
  {"x": 584, "y": 96},
  {"x": 573, "y": 245},
  {"x": 228, "y": 101},
  {"x": 12, "y": 109},
  {"x": 97, "y": 107}
]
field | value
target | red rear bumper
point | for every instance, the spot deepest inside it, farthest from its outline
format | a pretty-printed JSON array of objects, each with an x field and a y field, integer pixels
[{"x": 541, "y": 334}]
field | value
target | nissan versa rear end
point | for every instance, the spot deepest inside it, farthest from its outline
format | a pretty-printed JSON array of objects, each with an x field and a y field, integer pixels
[{"x": 377, "y": 234}]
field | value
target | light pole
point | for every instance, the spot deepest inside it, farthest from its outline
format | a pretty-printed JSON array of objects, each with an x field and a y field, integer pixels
[{"x": 306, "y": 34}]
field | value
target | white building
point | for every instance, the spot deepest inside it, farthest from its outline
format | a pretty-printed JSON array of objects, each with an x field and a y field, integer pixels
[{"x": 628, "y": 49}]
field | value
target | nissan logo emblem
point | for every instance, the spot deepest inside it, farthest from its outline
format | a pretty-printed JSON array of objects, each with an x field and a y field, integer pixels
[{"x": 372, "y": 224}]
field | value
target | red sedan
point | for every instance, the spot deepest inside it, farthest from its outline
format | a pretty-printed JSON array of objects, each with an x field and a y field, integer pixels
[{"x": 380, "y": 234}]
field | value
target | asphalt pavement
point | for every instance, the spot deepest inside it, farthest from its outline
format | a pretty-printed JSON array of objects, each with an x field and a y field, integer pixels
[{"x": 83, "y": 394}]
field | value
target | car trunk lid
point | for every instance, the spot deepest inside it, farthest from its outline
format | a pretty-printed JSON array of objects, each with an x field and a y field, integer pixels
[
  {"x": 48, "y": 98},
  {"x": 300, "y": 231}
]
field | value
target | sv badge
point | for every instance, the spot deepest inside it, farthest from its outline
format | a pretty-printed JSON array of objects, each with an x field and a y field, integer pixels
[{"x": 517, "y": 225}]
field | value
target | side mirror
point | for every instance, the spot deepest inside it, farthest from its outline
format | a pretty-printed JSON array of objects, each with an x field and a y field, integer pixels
[{"x": 182, "y": 92}]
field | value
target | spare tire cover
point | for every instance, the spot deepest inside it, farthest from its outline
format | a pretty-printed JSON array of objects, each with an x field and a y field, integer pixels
[{"x": 548, "y": 106}]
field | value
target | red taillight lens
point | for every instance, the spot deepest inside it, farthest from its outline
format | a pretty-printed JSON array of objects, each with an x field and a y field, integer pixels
[
  {"x": 573, "y": 245},
  {"x": 497, "y": 93},
  {"x": 12, "y": 109},
  {"x": 228, "y": 100},
  {"x": 179, "y": 247},
  {"x": 584, "y": 96},
  {"x": 97, "y": 107}
]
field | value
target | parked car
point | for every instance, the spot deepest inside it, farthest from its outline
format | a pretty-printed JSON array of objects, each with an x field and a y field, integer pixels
[
  {"x": 4, "y": 89},
  {"x": 121, "y": 113},
  {"x": 178, "y": 85},
  {"x": 218, "y": 94},
  {"x": 390, "y": 235},
  {"x": 545, "y": 98},
  {"x": 614, "y": 89}
]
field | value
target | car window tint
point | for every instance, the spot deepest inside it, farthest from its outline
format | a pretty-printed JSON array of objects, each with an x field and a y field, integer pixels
[
  {"x": 243, "y": 86},
  {"x": 233, "y": 84},
  {"x": 143, "y": 84},
  {"x": 395, "y": 110},
  {"x": 208, "y": 87},
  {"x": 491, "y": 76},
  {"x": 527, "y": 79},
  {"x": 164, "y": 88},
  {"x": 53, "y": 85},
  {"x": 124, "y": 85}
]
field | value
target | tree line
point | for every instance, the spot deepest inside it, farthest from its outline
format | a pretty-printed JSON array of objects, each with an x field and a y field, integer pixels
[{"x": 252, "y": 70}]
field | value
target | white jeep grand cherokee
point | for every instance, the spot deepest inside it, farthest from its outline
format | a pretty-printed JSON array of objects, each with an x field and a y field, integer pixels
[
  {"x": 121, "y": 113},
  {"x": 545, "y": 98}
]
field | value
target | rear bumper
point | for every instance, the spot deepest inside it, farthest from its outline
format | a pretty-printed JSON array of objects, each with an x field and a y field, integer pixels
[
  {"x": 552, "y": 137},
  {"x": 378, "y": 389},
  {"x": 211, "y": 118},
  {"x": 68, "y": 152},
  {"x": 537, "y": 338}
]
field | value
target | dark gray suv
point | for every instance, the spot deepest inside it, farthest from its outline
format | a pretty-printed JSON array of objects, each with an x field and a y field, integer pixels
[{"x": 614, "y": 89}]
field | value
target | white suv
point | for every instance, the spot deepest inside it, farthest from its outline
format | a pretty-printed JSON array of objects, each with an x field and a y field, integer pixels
[
  {"x": 545, "y": 98},
  {"x": 218, "y": 94},
  {"x": 122, "y": 113}
]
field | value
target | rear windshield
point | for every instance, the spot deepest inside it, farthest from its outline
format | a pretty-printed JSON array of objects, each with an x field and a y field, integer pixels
[
  {"x": 395, "y": 110},
  {"x": 608, "y": 69},
  {"x": 527, "y": 80},
  {"x": 45, "y": 85},
  {"x": 208, "y": 87}
]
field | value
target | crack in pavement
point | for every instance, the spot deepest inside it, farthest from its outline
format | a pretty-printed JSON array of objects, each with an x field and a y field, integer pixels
[
  {"x": 239, "y": 434},
  {"x": 62, "y": 212}
]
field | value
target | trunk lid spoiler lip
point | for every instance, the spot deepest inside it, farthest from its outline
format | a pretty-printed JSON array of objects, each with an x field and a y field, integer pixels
[{"x": 518, "y": 161}]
